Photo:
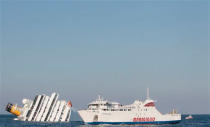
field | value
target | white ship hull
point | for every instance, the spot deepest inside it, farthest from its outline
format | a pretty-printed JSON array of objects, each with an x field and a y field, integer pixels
[
  {"x": 127, "y": 118},
  {"x": 104, "y": 112}
]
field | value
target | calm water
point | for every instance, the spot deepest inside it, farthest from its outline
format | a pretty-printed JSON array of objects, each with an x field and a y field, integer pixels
[{"x": 7, "y": 121}]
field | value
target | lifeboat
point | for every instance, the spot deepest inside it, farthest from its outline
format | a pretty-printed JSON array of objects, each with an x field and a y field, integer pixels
[{"x": 189, "y": 117}]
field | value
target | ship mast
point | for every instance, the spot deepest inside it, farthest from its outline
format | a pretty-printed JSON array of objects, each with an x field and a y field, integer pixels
[
  {"x": 99, "y": 97},
  {"x": 148, "y": 93}
]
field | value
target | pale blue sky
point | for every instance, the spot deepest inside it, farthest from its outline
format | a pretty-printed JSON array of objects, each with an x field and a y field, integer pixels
[{"x": 117, "y": 49}]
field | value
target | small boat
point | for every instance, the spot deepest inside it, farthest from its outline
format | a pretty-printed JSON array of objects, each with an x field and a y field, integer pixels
[{"x": 189, "y": 117}]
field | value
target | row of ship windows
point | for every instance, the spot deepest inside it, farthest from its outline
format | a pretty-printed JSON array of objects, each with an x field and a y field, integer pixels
[
  {"x": 119, "y": 109},
  {"x": 116, "y": 109},
  {"x": 143, "y": 109},
  {"x": 129, "y": 109},
  {"x": 113, "y": 109}
]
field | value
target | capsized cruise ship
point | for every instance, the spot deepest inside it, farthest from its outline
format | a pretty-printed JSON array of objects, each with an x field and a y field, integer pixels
[
  {"x": 102, "y": 111},
  {"x": 42, "y": 109}
]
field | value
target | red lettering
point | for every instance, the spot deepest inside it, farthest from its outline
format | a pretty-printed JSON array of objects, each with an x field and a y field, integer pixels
[
  {"x": 140, "y": 119},
  {"x": 150, "y": 119}
]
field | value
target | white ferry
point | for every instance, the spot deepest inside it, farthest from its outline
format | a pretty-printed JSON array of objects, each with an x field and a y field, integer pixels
[
  {"x": 102, "y": 111},
  {"x": 42, "y": 109}
]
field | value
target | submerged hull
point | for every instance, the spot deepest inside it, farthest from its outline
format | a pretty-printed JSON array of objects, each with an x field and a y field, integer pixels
[{"x": 42, "y": 109}]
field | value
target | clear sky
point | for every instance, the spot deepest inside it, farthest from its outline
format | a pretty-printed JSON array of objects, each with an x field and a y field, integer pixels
[{"x": 114, "y": 48}]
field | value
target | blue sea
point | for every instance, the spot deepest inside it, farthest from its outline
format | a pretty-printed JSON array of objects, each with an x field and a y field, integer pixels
[{"x": 197, "y": 121}]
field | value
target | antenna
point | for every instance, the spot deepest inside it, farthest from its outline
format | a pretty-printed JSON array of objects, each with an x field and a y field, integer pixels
[
  {"x": 99, "y": 97},
  {"x": 148, "y": 93}
]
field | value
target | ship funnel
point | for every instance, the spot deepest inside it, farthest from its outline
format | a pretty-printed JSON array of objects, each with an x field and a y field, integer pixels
[{"x": 12, "y": 109}]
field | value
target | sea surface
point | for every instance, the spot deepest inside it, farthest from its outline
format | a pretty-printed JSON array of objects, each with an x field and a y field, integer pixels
[{"x": 197, "y": 121}]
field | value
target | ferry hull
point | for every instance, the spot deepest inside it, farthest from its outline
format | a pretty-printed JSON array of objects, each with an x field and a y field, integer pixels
[
  {"x": 117, "y": 117},
  {"x": 135, "y": 123},
  {"x": 139, "y": 112}
]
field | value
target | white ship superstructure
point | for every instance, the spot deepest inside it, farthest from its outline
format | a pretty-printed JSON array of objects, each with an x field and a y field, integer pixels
[
  {"x": 102, "y": 111},
  {"x": 42, "y": 109}
]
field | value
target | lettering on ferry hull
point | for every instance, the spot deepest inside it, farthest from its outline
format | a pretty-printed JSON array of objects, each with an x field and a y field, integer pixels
[{"x": 143, "y": 119}]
